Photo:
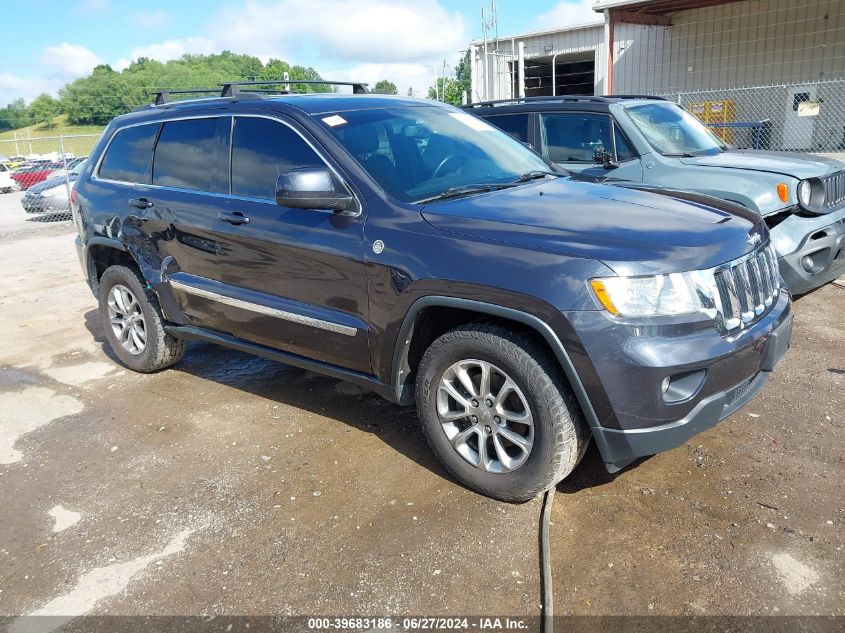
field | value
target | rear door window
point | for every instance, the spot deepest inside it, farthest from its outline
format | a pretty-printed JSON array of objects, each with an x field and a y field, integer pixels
[
  {"x": 261, "y": 150},
  {"x": 515, "y": 125},
  {"x": 184, "y": 154},
  {"x": 129, "y": 154}
]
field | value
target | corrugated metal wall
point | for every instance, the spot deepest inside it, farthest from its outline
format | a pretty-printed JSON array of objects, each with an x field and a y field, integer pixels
[
  {"x": 580, "y": 40},
  {"x": 748, "y": 43}
]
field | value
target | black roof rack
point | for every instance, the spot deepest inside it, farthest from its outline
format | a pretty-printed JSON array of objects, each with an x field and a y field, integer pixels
[
  {"x": 573, "y": 98},
  {"x": 232, "y": 89}
]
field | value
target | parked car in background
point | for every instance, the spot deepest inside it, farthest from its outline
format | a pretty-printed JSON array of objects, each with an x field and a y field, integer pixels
[
  {"x": 52, "y": 195},
  {"x": 419, "y": 251},
  {"x": 6, "y": 182},
  {"x": 70, "y": 164},
  {"x": 647, "y": 139},
  {"x": 32, "y": 173}
]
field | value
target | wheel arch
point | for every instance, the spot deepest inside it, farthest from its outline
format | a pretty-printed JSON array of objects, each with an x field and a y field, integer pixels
[
  {"x": 414, "y": 338},
  {"x": 102, "y": 252}
]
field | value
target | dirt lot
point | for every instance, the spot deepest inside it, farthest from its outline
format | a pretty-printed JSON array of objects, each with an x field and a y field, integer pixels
[{"x": 235, "y": 485}]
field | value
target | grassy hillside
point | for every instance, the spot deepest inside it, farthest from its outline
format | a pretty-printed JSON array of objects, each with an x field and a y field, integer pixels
[{"x": 60, "y": 127}]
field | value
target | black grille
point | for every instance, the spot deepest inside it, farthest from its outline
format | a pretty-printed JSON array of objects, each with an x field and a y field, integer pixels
[
  {"x": 834, "y": 190},
  {"x": 746, "y": 287}
]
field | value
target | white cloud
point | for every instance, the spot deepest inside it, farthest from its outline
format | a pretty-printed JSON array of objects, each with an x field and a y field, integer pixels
[
  {"x": 173, "y": 49},
  {"x": 569, "y": 13},
  {"x": 150, "y": 20},
  {"x": 354, "y": 30},
  {"x": 14, "y": 87},
  {"x": 69, "y": 61}
]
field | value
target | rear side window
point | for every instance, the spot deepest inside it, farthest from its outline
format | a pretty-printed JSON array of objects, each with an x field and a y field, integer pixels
[
  {"x": 129, "y": 154},
  {"x": 184, "y": 155},
  {"x": 514, "y": 124},
  {"x": 261, "y": 150}
]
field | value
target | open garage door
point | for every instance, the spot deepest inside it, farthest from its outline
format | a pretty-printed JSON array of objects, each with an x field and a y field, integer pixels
[{"x": 573, "y": 74}]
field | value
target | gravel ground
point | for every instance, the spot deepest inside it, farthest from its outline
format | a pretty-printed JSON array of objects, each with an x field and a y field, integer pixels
[{"x": 235, "y": 485}]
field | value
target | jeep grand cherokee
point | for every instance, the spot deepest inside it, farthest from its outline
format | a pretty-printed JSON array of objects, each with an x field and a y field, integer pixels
[{"x": 419, "y": 251}]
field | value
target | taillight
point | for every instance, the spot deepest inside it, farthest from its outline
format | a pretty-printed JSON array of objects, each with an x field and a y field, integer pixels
[{"x": 73, "y": 196}]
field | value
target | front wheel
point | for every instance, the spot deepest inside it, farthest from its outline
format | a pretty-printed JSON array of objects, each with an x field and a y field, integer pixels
[
  {"x": 494, "y": 409},
  {"x": 133, "y": 322}
]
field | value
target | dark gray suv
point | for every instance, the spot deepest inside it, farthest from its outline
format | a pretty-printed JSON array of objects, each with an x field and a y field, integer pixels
[{"x": 418, "y": 251}]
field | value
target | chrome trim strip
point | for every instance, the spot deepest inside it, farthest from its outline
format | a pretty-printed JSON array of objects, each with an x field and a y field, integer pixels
[{"x": 329, "y": 326}]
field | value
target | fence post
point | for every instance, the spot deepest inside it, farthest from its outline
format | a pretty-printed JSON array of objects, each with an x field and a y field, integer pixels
[{"x": 67, "y": 171}]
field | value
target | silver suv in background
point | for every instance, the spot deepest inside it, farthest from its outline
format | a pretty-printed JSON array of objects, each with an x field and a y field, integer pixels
[{"x": 656, "y": 142}]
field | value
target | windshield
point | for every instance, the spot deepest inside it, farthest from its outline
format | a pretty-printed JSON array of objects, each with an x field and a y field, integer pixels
[
  {"x": 418, "y": 152},
  {"x": 672, "y": 130}
]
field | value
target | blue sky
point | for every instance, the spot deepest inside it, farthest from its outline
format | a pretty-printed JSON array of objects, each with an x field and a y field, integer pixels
[{"x": 52, "y": 42}]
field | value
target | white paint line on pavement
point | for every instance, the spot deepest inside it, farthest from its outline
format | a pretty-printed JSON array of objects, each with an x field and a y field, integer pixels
[
  {"x": 795, "y": 575},
  {"x": 92, "y": 587},
  {"x": 22, "y": 412},
  {"x": 63, "y": 518},
  {"x": 78, "y": 375}
]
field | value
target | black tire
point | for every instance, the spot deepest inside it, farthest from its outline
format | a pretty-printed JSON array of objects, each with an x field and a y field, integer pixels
[
  {"x": 560, "y": 435},
  {"x": 161, "y": 349}
]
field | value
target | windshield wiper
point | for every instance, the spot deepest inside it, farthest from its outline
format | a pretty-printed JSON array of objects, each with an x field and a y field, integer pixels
[
  {"x": 536, "y": 174},
  {"x": 681, "y": 155},
  {"x": 467, "y": 190}
]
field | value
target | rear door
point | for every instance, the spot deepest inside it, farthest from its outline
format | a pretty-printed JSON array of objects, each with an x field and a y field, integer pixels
[
  {"x": 572, "y": 139},
  {"x": 294, "y": 278}
]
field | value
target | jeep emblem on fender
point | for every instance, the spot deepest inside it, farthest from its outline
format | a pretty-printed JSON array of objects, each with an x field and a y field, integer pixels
[{"x": 378, "y": 247}]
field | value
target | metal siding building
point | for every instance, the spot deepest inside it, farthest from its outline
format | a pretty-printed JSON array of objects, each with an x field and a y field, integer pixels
[{"x": 760, "y": 58}]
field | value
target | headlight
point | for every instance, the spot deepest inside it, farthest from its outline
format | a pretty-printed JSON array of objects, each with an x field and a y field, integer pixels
[
  {"x": 805, "y": 192},
  {"x": 658, "y": 295},
  {"x": 811, "y": 194}
]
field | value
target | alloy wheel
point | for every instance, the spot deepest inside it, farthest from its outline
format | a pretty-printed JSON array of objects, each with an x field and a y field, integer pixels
[{"x": 485, "y": 416}]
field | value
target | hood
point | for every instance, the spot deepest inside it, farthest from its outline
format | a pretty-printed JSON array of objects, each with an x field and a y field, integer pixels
[
  {"x": 793, "y": 164},
  {"x": 633, "y": 232},
  {"x": 50, "y": 183}
]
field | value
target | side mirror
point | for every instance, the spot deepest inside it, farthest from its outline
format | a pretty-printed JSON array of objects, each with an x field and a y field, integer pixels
[
  {"x": 604, "y": 158},
  {"x": 311, "y": 188}
]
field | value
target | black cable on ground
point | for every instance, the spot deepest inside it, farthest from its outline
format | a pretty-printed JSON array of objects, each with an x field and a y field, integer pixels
[{"x": 547, "y": 595}]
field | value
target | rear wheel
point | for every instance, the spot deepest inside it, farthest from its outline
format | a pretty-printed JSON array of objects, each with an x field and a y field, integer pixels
[
  {"x": 133, "y": 322},
  {"x": 494, "y": 409}
]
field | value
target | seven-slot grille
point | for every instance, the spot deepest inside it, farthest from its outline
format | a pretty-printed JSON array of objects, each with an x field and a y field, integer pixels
[
  {"x": 834, "y": 190},
  {"x": 746, "y": 287}
]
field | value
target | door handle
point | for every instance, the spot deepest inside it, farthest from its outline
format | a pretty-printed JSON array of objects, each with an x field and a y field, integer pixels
[
  {"x": 141, "y": 203},
  {"x": 236, "y": 217}
]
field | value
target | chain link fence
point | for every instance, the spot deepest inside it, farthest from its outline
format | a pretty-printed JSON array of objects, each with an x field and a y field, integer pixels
[
  {"x": 41, "y": 171},
  {"x": 807, "y": 117}
]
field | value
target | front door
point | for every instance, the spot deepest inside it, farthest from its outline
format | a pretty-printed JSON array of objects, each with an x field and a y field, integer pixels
[
  {"x": 295, "y": 277},
  {"x": 572, "y": 140}
]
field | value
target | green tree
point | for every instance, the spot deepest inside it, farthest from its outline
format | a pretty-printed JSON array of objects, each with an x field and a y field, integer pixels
[
  {"x": 44, "y": 109},
  {"x": 451, "y": 90},
  {"x": 14, "y": 115},
  {"x": 385, "y": 87}
]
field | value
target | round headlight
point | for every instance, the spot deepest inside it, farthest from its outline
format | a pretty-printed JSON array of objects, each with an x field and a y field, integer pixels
[{"x": 805, "y": 191}]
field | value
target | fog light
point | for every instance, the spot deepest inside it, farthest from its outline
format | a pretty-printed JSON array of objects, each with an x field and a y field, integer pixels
[
  {"x": 682, "y": 387},
  {"x": 808, "y": 263}
]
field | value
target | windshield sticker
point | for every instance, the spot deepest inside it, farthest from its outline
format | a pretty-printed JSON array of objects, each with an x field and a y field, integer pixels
[
  {"x": 474, "y": 122},
  {"x": 334, "y": 120}
]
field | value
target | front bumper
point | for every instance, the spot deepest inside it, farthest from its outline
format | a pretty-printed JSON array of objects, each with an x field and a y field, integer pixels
[
  {"x": 819, "y": 258},
  {"x": 628, "y": 364}
]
